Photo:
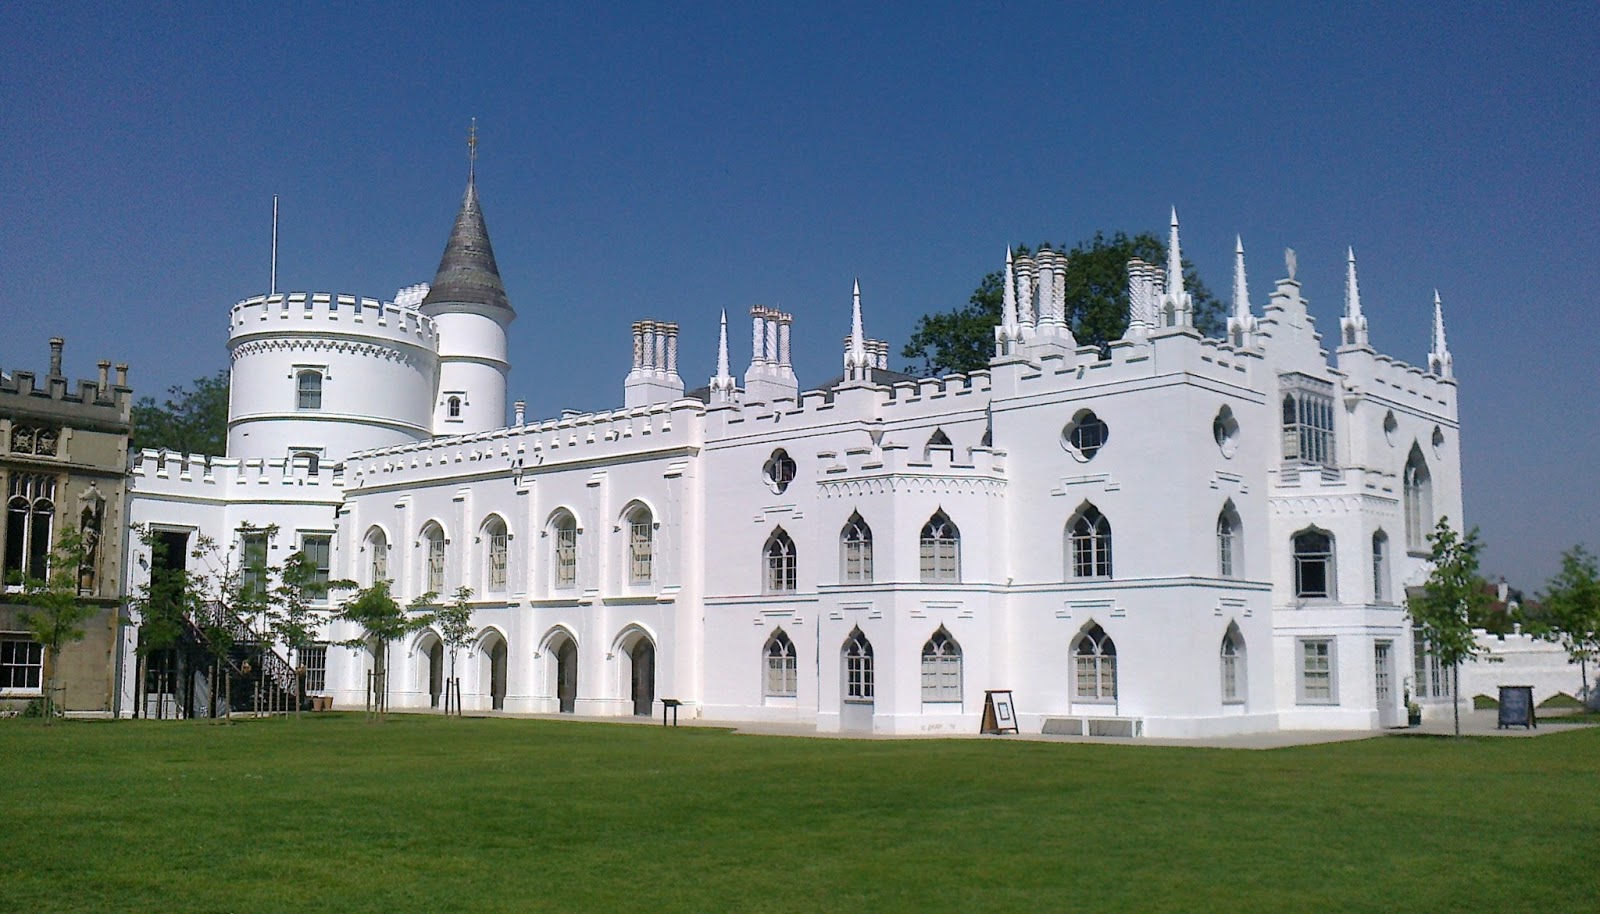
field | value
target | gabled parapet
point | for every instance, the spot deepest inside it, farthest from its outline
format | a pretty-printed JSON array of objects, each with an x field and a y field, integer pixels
[{"x": 323, "y": 312}]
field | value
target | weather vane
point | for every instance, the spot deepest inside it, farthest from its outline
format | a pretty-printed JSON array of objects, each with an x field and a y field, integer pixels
[{"x": 472, "y": 150}]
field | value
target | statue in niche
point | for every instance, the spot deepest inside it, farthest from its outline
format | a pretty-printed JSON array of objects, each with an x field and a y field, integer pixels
[{"x": 91, "y": 518}]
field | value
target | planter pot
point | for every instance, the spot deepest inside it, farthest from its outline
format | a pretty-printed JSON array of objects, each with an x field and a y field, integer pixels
[{"x": 1414, "y": 719}]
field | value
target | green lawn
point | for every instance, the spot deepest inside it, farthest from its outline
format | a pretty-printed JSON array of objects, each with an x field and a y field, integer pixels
[{"x": 429, "y": 814}]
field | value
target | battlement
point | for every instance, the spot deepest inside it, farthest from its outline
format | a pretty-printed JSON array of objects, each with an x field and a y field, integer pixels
[
  {"x": 99, "y": 401},
  {"x": 581, "y": 436},
  {"x": 895, "y": 459},
  {"x": 169, "y": 473},
  {"x": 1318, "y": 480},
  {"x": 1386, "y": 378},
  {"x": 303, "y": 312}
]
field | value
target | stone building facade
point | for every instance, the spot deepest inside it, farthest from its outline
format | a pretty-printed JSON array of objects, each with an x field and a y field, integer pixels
[{"x": 63, "y": 466}]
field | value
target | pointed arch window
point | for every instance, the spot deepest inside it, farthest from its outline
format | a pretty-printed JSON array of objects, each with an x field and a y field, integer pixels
[
  {"x": 782, "y": 672},
  {"x": 1094, "y": 657},
  {"x": 1229, "y": 541},
  {"x": 1313, "y": 565},
  {"x": 564, "y": 531},
  {"x": 855, "y": 544},
  {"x": 937, "y": 439},
  {"x": 1089, "y": 542},
  {"x": 1417, "y": 485},
  {"x": 308, "y": 389},
  {"x": 433, "y": 539},
  {"x": 377, "y": 556},
  {"x": 941, "y": 668},
  {"x": 941, "y": 550},
  {"x": 1233, "y": 666},
  {"x": 30, "y": 517},
  {"x": 858, "y": 673},
  {"x": 498, "y": 540},
  {"x": 780, "y": 558},
  {"x": 641, "y": 545}
]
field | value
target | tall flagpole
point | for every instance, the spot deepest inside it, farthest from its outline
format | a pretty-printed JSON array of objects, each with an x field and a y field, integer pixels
[{"x": 274, "y": 287}]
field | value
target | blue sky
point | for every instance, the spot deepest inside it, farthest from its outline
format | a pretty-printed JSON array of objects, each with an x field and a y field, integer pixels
[{"x": 653, "y": 161}]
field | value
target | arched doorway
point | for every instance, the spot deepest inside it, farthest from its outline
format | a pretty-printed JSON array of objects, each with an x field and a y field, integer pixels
[
  {"x": 497, "y": 676},
  {"x": 492, "y": 671},
  {"x": 435, "y": 672},
  {"x": 567, "y": 676},
  {"x": 642, "y": 665}
]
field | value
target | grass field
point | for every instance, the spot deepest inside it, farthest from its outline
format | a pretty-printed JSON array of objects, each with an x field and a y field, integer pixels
[{"x": 430, "y": 814}]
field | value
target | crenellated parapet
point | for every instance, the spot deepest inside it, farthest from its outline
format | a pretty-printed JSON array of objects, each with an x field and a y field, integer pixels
[
  {"x": 159, "y": 473},
  {"x": 581, "y": 437},
  {"x": 316, "y": 314},
  {"x": 892, "y": 468}
]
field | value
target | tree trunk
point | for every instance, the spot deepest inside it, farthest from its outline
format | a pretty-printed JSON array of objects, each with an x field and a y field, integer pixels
[{"x": 1455, "y": 695}]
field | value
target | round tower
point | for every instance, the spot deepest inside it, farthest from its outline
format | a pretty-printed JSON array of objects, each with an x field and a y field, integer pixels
[
  {"x": 316, "y": 376},
  {"x": 468, "y": 305}
]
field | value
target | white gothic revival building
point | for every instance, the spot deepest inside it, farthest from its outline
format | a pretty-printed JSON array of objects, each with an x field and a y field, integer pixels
[{"x": 1178, "y": 536}]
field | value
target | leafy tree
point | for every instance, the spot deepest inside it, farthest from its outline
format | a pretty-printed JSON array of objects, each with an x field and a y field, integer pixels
[
  {"x": 57, "y": 613},
  {"x": 1569, "y": 610},
  {"x": 382, "y": 622},
  {"x": 188, "y": 421},
  {"x": 290, "y": 617},
  {"x": 217, "y": 590},
  {"x": 1096, "y": 308},
  {"x": 1453, "y": 595},
  {"x": 455, "y": 626}
]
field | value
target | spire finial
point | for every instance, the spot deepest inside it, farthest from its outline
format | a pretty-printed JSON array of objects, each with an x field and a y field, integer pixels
[
  {"x": 722, "y": 385},
  {"x": 472, "y": 152},
  {"x": 855, "y": 362},
  {"x": 1353, "y": 326},
  {"x": 1241, "y": 290},
  {"x": 1440, "y": 362},
  {"x": 1174, "y": 261},
  {"x": 1352, "y": 291},
  {"x": 1242, "y": 325}
]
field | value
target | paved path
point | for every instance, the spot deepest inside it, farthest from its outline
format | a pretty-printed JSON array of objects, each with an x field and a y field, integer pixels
[{"x": 1473, "y": 723}]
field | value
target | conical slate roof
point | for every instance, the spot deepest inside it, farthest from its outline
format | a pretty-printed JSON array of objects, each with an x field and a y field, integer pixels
[{"x": 467, "y": 271}]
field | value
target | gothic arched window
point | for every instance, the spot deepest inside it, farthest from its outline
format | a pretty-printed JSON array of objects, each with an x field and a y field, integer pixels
[
  {"x": 780, "y": 559},
  {"x": 1094, "y": 657},
  {"x": 855, "y": 545},
  {"x": 941, "y": 668},
  {"x": 941, "y": 549},
  {"x": 782, "y": 672},
  {"x": 1089, "y": 536}
]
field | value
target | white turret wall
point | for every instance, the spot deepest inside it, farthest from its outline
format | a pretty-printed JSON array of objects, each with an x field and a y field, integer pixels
[
  {"x": 374, "y": 367},
  {"x": 472, "y": 370}
]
